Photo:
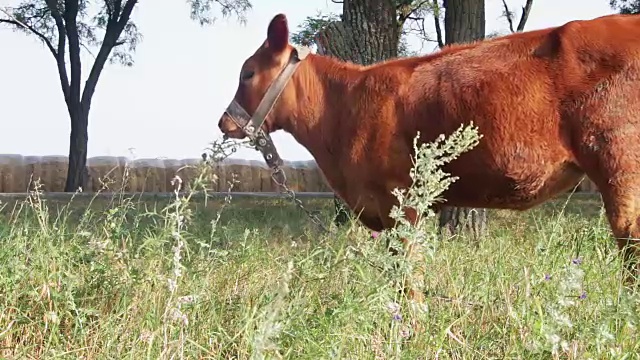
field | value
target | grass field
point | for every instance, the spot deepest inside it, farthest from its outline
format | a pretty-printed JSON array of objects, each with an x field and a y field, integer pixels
[{"x": 122, "y": 280}]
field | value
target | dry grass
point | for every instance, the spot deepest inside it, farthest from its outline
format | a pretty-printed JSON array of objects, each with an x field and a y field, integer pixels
[{"x": 119, "y": 280}]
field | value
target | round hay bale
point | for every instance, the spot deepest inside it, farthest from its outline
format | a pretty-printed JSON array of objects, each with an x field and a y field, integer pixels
[
  {"x": 171, "y": 167},
  {"x": 188, "y": 172},
  {"x": 306, "y": 176},
  {"x": 261, "y": 174},
  {"x": 29, "y": 167},
  {"x": 232, "y": 170},
  {"x": 147, "y": 175},
  {"x": 290, "y": 170},
  {"x": 106, "y": 173},
  {"x": 243, "y": 175},
  {"x": 54, "y": 168},
  {"x": 319, "y": 180},
  {"x": 225, "y": 175},
  {"x": 587, "y": 186},
  {"x": 12, "y": 174},
  {"x": 254, "y": 169},
  {"x": 220, "y": 169}
]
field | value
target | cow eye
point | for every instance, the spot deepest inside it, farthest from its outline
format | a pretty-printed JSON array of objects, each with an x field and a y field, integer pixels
[{"x": 246, "y": 75}]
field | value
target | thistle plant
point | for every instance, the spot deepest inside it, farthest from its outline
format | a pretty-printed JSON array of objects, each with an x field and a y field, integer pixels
[{"x": 429, "y": 181}]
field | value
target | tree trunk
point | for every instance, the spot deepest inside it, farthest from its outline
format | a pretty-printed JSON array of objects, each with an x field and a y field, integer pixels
[
  {"x": 368, "y": 33},
  {"x": 77, "y": 174},
  {"x": 464, "y": 21}
]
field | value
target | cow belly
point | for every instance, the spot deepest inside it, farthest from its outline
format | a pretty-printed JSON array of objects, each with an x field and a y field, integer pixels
[{"x": 519, "y": 189}]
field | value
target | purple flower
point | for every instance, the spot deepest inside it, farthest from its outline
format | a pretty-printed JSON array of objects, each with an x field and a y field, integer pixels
[
  {"x": 577, "y": 261},
  {"x": 397, "y": 317},
  {"x": 374, "y": 234},
  {"x": 583, "y": 295},
  {"x": 547, "y": 277}
]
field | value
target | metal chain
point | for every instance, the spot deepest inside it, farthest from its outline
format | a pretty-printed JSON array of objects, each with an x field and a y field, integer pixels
[{"x": 277, "y": 171}]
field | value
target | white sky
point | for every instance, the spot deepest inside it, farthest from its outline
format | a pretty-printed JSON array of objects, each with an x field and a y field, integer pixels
[{"x": 184, "y": 76}]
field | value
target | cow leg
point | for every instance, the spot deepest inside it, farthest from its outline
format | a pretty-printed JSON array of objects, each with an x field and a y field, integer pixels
[
  {"x": 622, "y": 204},
  {"x": 612, "y": 161}
]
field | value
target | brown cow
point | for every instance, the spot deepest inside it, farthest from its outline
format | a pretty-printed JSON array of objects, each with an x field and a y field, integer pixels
[{"x": 552, "y": 105}]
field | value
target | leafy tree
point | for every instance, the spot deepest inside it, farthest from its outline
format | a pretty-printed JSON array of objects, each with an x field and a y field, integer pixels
[
  {"x": 626, "y": 6},
  {"x": 67, "y": 27}
]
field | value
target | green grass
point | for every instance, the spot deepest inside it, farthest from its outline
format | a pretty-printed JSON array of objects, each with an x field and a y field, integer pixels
[{"x": 91, "y": 281}]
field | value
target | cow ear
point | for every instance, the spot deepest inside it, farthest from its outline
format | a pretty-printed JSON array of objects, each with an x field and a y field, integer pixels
[{"x": 278, "y": 33}]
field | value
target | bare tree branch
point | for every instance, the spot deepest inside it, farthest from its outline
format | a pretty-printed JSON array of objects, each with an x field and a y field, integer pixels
[
  {"x": 508, "y": 14},
  {"x": 526, "y": 9}
]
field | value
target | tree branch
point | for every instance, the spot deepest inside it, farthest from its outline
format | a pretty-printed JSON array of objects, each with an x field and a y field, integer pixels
[
  {"x": 71, "y": 27},
  {"x": 405, "y": 11},
  {"x": 14, "y": 21},
  {"x": 508, "y": 14},
  {"x": 114, "y": 28},
  {"x": 526, "y": 9},
  {"x": 436, "y": 18},
  {"x": 62, "y": 43}
]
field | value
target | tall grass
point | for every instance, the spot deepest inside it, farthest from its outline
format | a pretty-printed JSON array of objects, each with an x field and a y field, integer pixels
[{"x": 235, "y": 279}]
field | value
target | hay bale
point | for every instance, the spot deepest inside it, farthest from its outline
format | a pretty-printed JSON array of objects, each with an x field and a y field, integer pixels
[
  {"x": 306, "y": 176},
  {"x": 255, "y": 169},
  {"x": 587, "y": 186},
  {"x": 321, "y": 180},
  {"x": 247, "y": 179},
  {"x": 261, "y": 174},
  {"x": 12, "y": 173},
  {"x": 317, "y": 178},
  {"x": 50, "y": 170},
  {"x": 106, "y": 173},
  {"x": 147, "y": 175},
  {"x": 216, "y": 169},
  {"x": 293, "y": 175},
  {"x": 219, "y": 170},
  {"x": 188, "y": 172},
  {"x": 171, "y": 167},
  {"x": 30, "y": 173}
]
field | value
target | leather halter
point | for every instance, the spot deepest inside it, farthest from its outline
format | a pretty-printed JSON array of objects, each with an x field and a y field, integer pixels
[{"x": 251, "y": 125}]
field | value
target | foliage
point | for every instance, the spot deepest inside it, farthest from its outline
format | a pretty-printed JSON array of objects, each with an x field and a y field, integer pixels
[
  {"x": 626, "y": 6},
  {"x": 50, "y": 20},
  {"x": 411, "y": 17},
  {"x": 429, "y": 181},
  {"x": 310, "y": 27},
  {"x": 202, "y": 10}
]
